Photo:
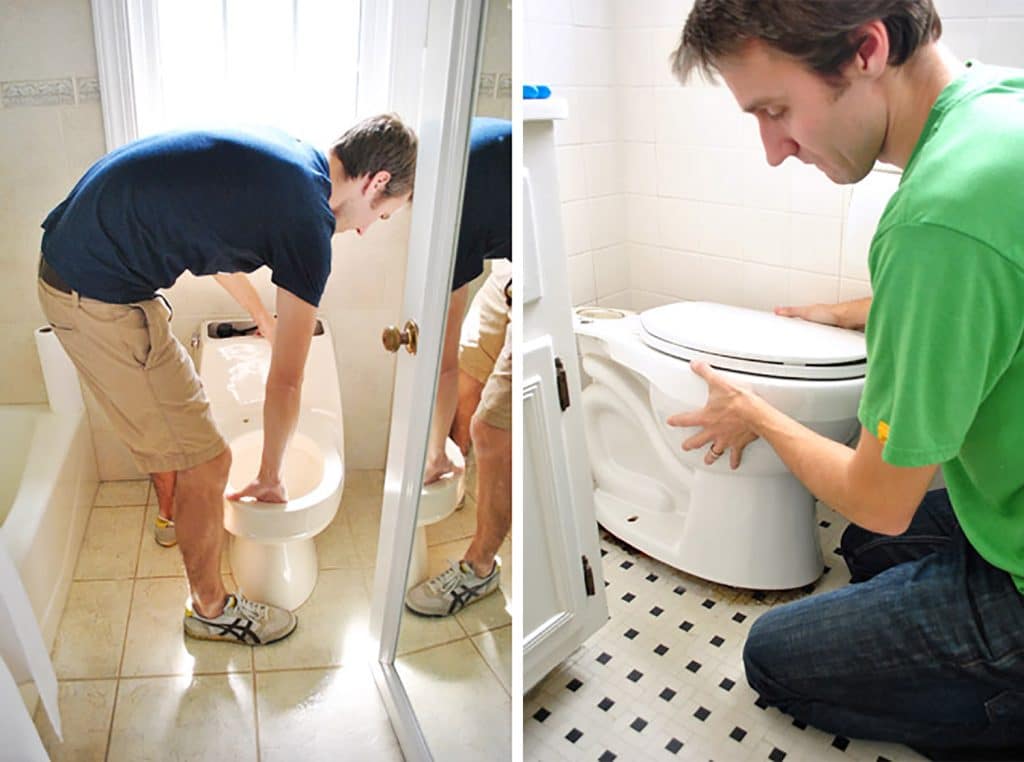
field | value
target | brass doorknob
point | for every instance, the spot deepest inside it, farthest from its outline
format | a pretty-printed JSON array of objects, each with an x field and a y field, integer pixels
[{"x": 394, "y": 338}]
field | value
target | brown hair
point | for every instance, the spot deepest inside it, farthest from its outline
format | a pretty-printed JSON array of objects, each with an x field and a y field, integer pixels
[
  {"x": 376, "y": 144},
  {"x": 822, "y": 34}
]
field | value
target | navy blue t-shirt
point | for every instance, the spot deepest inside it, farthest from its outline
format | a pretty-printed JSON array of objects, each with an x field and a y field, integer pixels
[
  {"x": 485, "y": 227},
  {"x": 207, "y": 202}
]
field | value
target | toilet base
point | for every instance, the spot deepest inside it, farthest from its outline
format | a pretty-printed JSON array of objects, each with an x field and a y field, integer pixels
[
  {"x": 755, "y": 533},
  {"x": 419, "y": 567},
  {"x": 281, "y": 574}
]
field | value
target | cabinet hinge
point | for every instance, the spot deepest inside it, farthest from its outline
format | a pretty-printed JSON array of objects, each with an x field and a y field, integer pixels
[
  {"x": 563, "y": 383},
  {"x": 588, "y": 577}
]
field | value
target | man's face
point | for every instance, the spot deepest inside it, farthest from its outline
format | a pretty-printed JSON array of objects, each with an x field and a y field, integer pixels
[
  {"x": 801, "y": 115},
  {"x": 368, "y": 205}
]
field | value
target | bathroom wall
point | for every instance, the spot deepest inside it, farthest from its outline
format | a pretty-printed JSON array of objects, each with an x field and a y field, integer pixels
[
  {"x": 494, "y": 97},
  {"x": 666, "y": 192},
  {"x": 51, "y": 131}
]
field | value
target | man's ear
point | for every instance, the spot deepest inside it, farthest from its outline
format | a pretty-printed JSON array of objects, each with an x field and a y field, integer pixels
[
  {"x": 873, "y": 54},
  {"x": 378, "y": 182}
]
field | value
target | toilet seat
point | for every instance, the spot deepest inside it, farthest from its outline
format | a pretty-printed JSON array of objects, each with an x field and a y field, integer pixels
[
  {"x": 753, "y": 342},
  {"x": 313, "y": 449}
]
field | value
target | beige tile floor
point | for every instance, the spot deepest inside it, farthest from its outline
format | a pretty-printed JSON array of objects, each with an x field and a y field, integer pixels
[{"x": 132, "y": 687}]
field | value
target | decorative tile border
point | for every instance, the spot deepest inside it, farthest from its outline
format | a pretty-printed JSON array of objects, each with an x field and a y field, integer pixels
[
  {"x": 494, "y": 85},
  {"x": 49, "y": 92}
]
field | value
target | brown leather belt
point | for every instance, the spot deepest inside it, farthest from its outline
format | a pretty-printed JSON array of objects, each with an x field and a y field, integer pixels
[{"x": 50, "y": 277}]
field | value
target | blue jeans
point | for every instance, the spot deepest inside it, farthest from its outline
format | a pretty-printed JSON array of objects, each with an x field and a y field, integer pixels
[{"x": 927, "y": 649}]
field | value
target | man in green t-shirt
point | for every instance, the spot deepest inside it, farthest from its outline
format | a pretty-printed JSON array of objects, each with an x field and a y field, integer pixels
[{"x": 928, "y": 648}]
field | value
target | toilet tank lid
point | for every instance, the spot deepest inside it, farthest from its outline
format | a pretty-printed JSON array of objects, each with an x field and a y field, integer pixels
[{"x": 750, "y": 335}]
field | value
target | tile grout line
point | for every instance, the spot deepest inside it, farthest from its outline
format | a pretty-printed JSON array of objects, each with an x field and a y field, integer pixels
[{"x": 489, "y": 666}]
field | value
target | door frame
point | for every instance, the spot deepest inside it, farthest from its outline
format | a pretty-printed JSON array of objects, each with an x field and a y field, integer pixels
[{"x": 450, "y": 65}]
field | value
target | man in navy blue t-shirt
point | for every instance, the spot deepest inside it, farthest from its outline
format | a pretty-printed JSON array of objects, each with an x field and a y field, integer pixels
[
  {"x": 219, "y": 203},
  {"x": 476, "y": 373}
]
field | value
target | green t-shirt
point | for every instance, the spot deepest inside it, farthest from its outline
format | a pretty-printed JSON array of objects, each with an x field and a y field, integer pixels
[{"x": 945, "y": 334}]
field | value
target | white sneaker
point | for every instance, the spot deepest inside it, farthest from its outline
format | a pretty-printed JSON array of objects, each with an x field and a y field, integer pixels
[
  {"x": 242, "y": 621},
  {"x": 452, "y": 590}
]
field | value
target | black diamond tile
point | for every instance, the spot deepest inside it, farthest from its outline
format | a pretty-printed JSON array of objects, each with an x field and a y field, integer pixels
[
  {"x": 574, "y": 685},
  {"x": 799, "y": 724},
  {"x": 686, "y": 626},
  {"x": 717, "y": 641},
  {"x": 628, "y": 597},
  {"x": 738, "y": 734},
  {"x": 652, "y": 577},
  {"x": 808, "y": 588},
  {"x": 827, "y": 570},
  {"x": 674, "y": 745},
  {"x": 603, "y": 552},
  {"x": 693, "y": 666},
  {"x": 606, "y": 583},
  {"x": 605, "y": 704},
  {"x": 630, "y": 633},
  {"x": 708, "y": 603},
  {"x": 573, "y": 735},
  {"x": 702, "y": 714},
  {"x": 604, "y": 658},
  {"x": 668, "y": 694},
  {"x": 626, "y": 565},
  {"x": 738, "y": 617},
  {"x": 726, "y": 684},
  {"x": 679, "y": 590},
  {"x": 777, "y": 755},
  {"x": 761, "y": 703},
  {"x": 541, "y": 714},
  {"x": 837, "y": 551},
  {"x": 638, "y": 724},
  {"x": 841, "y": 743},
  {"x": 883, "y": 759},
  {"x": 661, "y": 650},
  {"x": 635, "y": 675},
  {"x": 825, "y": 524},
  {"x": 759, "y": 595},
  {"x": 606, "y": 757},
  {"x": 657, "y": 611}
]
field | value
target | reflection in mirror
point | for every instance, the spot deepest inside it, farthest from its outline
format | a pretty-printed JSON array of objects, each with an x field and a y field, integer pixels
[{"x": 454, "y": 647}]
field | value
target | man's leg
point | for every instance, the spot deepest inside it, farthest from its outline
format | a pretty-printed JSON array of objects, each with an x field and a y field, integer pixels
[
  {"x": 446, "y": 401},
  {"x": 469, "y": 399},
  {"x": 163, "y": 483},
  {"x": 929, "y": 652},
  {"x": 493, "y": 447},
  {"x": 199, "y": 508}
]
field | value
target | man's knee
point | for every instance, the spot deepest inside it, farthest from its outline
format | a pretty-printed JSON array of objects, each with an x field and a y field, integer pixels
[
  {"x": 214, "y": 471},
  {"x": 764, "y": 655},
  {"x": 489, "y": 440}
]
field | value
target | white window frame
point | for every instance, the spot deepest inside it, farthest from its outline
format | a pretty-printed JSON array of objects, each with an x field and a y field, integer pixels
[{"x": 125, "y": 31}]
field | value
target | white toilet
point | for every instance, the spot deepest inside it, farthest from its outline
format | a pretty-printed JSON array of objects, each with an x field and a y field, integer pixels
[
  {"x": 753, "y": 527},
  {"x": 272, "y": 551},
  {"x": 438, "y": 501}
]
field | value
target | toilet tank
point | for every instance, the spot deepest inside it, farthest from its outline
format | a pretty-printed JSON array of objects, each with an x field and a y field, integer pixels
[
  {"x": 234, "y": 369},
  {"x": 867, "y": 203}
]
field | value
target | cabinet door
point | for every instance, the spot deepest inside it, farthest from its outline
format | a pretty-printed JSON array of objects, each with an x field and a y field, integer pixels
[{"x": 563, "y": 585}]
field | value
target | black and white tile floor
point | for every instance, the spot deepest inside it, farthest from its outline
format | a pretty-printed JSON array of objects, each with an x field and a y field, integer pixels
[{"x": 664, "y": 678}]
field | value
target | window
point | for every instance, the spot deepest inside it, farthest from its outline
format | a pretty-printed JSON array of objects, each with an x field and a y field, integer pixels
[{"x": 292, "y": 64}]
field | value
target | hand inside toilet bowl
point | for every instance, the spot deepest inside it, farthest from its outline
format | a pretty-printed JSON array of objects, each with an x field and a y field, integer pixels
[{"x": 302, "y": 471}]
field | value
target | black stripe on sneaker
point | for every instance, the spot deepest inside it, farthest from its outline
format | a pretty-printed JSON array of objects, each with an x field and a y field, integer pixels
[
  {"x": 236, "y": 629},
  {"x": 459, "y": 602}
]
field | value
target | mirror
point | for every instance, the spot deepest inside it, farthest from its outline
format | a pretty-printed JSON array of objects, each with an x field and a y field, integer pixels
[{"x": 457, "y": 663}]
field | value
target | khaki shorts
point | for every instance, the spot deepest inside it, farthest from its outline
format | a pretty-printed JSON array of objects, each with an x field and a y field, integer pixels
[
  {"x": 485, "y": 347},
  {"x": 140, "y": 375}
]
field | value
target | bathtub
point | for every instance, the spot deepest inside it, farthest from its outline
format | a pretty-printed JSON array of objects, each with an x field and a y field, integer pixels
[{"x": 48, "y": 481}]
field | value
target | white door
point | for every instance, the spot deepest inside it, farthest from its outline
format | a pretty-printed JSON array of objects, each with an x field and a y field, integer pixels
[
  {"x": 443, "y": 62},
  {"x": 565, "y": 602}
]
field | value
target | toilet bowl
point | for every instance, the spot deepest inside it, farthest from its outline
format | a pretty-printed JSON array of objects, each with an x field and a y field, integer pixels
[
  {"x": 438, "y": 501},
  {"x": 272, "y": 550},
  {"x": 753, "y": 527}
]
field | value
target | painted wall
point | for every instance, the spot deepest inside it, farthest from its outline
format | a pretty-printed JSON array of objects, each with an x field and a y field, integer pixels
[
  {"x": 666, "y": 193},
  {"x": 51, "y": 131}
]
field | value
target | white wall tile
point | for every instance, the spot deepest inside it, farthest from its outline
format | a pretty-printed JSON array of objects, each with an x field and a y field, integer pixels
[
  {"x": 765, "y": 287},
  {"x": 1002, "y": 45},
  {"x": 768, "y": 238},
  {"x": 608, "y": 223},
  {"x": 581, "y": 278},
  {"x": 572, "y": 179},
  {"x": 611, "y": 271},
  {"x": 642, "y": 219},
  {"x": 603, "y": 169},
  {"x": 621, "y": 300},
  {"x": 682, "y": 171},
  {"x": 1005, "y": 8},
  {"x": 965, "y": 37},
  {"x": 639, "y": 174},
  {"x": 850, "y": 288},
  {"x": 569, "y": 131},
  {"x": 815, "y": 243},
  {"x": 812, "y": 192},
  {"x": 597, "y": 109},
  {"x": 810, "y": 288},
  {"x": 549, "y": 11},
  {"x": 550, "y": 52},
  {"x": 637, "y": 105},
  {"x": 680, "y": 223},
  {"x": 593, "y": 12},
  {"x": 45, "y": 39},
  {"x": 576, "y": 226},
  {"x": 634, "y": 63},
  {"x": 647, "y": 267},
  {"x": 646, "y": 300},
  {"x": 950, "y": 9},
  {"x": 724, "y": 230}
]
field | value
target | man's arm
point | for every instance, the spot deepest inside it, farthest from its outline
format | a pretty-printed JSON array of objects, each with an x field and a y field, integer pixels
[
  {"x": 852, "y": 314},
  {"x": 241, "y": 289},
  {"x": 296, "y": 320},
  {"x": 857, "y": 483}
]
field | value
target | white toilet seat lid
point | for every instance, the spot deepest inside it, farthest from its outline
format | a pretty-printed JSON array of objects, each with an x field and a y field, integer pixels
[{"x": 751, "y": 341}]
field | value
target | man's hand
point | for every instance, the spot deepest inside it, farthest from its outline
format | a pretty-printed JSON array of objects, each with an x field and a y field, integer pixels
[
  {"x": 722, "y": 420},
  {"x": 852, "y": 314},
  {"x": 261, "y": 491}
]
